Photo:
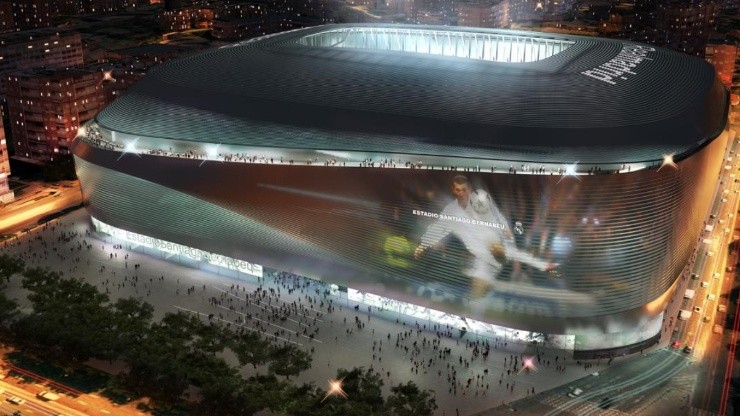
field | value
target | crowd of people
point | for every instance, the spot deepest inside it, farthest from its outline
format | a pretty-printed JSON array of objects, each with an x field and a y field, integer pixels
[
  {"x": 287, "y": 308},
  {"x": 93, "y": 136}
]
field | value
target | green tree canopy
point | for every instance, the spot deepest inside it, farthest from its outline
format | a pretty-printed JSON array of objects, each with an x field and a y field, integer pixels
[
  {"x": 408, "y": 400},
  {"x": 289, "y": 361}
]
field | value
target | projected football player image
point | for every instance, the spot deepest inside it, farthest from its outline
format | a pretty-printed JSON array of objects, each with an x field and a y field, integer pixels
[{"x": 475, "y": 219}]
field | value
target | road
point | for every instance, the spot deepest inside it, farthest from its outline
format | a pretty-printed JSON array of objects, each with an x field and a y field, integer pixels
[
  {"x": 629, "y": 386},
  {"x": 32, "y": 404},
  {"x": 36, "y": 201}
]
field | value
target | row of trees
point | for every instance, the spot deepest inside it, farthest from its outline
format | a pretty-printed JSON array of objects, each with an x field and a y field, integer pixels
[{"x": 71, "y": 322}]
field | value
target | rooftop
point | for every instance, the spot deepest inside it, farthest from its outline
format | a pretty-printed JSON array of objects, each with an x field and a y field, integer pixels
[{"x": 433, "y": 90}]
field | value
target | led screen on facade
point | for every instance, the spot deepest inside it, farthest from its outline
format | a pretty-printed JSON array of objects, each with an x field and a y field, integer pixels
[{"x": 494, "y": 246}]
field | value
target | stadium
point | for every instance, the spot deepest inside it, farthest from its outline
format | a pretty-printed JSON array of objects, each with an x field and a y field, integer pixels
[{"x": 527, "y": 185}]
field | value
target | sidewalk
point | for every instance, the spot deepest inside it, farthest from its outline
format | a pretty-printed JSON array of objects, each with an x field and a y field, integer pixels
[{"x": 462, "y": 380}]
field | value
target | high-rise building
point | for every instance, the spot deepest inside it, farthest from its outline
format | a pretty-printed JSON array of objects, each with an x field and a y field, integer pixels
[
  {"x": 6, "y": 195},
  {"x": 475, "y": 14},
  {"x": 46, "y": 108},
  {"x": 723, "y": 58},
  {"x": 540, "y": 10},
  {"x": 48, "y": 47},
  {"x": 186, "y": 18},
  {"x": 685, "y": 26},
  {"x": 27, "y": 14},
  {"x": 500, "y": 14},
  {"x": 7, "y": 24}
]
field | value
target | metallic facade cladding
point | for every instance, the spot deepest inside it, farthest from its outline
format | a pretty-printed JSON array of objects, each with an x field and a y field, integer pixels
[
  {"x": 358, "y": 227},
  {"x": 277, "y": 92}
]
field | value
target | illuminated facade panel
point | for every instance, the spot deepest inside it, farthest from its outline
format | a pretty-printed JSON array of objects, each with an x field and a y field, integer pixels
[{"x": 580, "y": 231}]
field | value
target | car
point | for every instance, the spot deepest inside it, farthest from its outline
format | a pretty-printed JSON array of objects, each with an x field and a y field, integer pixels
[
  {"x": 722, "y": 308},
  {"x": 48, "y": 395},
  {"x": 16, "y": 400},
  {"x": 695, "y": 276},
  {"x": 676, "y": 344},
  {"x": 687, "y": 350},
  {"x": 715, "y": 275},
  {"x": 704, "y": 284},
  {"x": 707, "y": 319},
  {"x": 717, "y": 329},
  {"x": 730, "y": 268},
  {"x": 575, "y": 393},
  {"x": 711, "y": 297},
  {"x": 697, "y": 309}
]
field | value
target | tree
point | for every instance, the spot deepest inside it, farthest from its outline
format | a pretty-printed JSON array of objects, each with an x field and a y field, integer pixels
[
  {"x": 408, "y": 400},
  {"x": 8, "y": 309},
  {"x": 227, "y": 396},
  {"x": 250, "y": 348},
  {"x": 68, "y": 316},
  {"x": 289, "y": 361},
  {"x": 129, "y": 323},
  {"x": 364, "y": 396},
  {"x": 158, "y": 365},
  {"x": 10, "y": 266}
]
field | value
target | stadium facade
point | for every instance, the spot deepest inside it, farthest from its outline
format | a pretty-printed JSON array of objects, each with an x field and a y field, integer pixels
[{"x": 552, "y": 185}]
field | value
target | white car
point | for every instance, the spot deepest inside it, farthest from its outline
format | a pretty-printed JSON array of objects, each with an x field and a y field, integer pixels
[
  {"x": 704, "y": 284},
  {"x": 575, "y": 393},
  {"x": 711, "y": 297},
  {"x": 16, "y": 400}
]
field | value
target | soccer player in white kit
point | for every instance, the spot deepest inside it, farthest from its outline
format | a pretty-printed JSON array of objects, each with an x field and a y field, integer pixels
[{"x": 490, "y": 245}]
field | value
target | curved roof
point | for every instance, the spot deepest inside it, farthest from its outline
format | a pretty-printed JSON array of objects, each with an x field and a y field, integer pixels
[{"x": 594, "y": 101}]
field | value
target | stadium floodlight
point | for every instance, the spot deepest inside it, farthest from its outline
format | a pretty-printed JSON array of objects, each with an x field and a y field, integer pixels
[
  {"x": 130, "y": 147},
  {"x": 570, "y": 170},
  {"x": 668, "y": 161},
  {"x": 528, "y": 364},
  {"x": 211, "y": 153}
]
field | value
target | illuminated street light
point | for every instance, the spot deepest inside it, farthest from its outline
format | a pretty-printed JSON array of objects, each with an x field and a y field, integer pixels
[
  {"x": 528, "y": 364},
  {"x": 668, "y": 161},
  {"x": 81, "y": 131},
  {"x": 335, "y": 389}
]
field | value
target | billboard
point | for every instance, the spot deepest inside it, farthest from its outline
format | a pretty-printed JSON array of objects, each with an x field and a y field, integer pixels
[{"x": 504, "y": 247}]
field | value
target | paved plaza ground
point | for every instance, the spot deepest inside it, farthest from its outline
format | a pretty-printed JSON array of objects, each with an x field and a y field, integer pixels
[{"x": 481, "y": 384}]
